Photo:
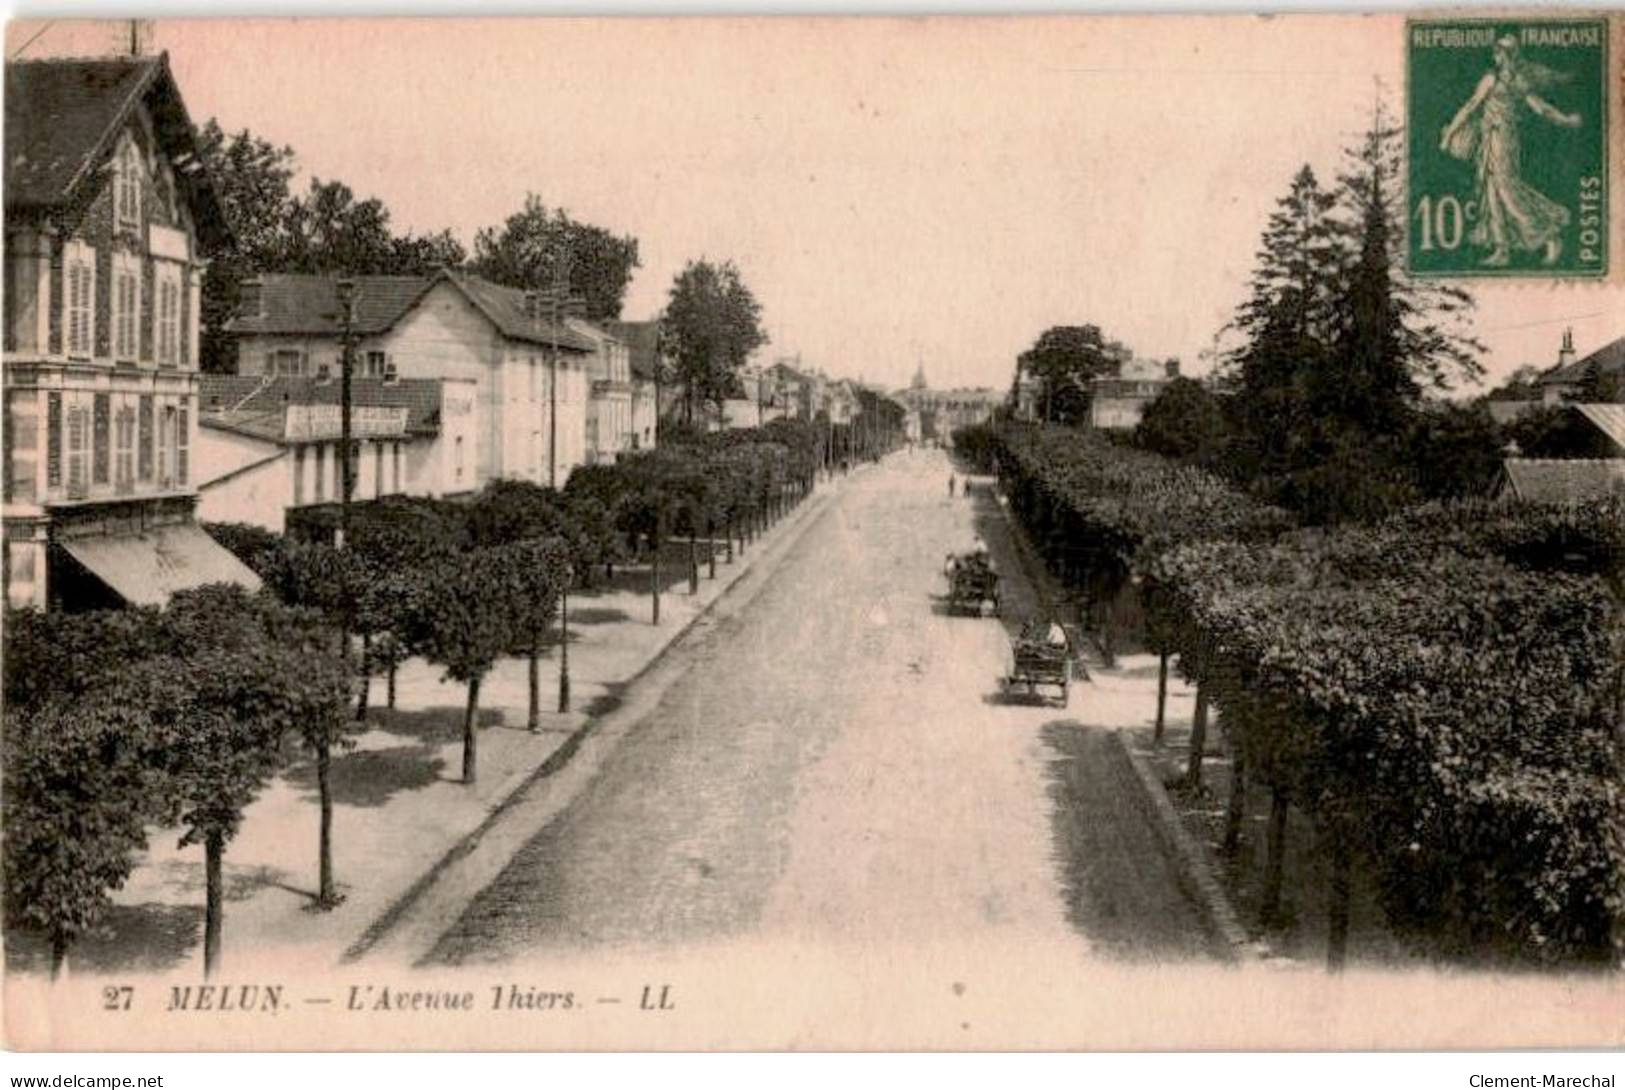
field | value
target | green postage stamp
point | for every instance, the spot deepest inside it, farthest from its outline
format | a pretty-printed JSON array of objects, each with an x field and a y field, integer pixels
[{"x": 1507, "y": 132}]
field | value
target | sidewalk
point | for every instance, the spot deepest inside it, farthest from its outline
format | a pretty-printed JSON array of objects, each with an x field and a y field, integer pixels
[
  {"x": 1125, "y": 698},
  {"x": 399, "y": 804}
]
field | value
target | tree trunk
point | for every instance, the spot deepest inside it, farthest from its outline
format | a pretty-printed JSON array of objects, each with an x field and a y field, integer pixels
[
  {"x": 693, "y": 565},
  {"x": 1237, "y": 808},
  {"x": 214, "y": 850},
  {"x": 393, "y": 666},
  {"x": 1108, "y": 627},
  {"x": 1275, "y": 859},
  {"x": 534, "y": 720},
  {"x": 729, "y": 530},
  {"x": 1337, "y": 911},
  {"x": 366, "y": 679},
  {"x": 326, "y": 896},
  {"x": 711, "y": 548},
  {"x": 470, "y": 742},
  {"x": 654, "y": 583},
  {"x": 564, "y": 650},
  {"x": 59, "y": 953},
  {"x": 1193, "y": 770},
  {"x": 1162, "y": 694}
]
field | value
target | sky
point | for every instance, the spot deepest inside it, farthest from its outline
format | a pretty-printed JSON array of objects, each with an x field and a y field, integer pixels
[{"x": 895, "y": 191}]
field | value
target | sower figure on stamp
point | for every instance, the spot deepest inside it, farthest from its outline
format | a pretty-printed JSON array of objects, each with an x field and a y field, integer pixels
[{"x": 1511, "y": 212}]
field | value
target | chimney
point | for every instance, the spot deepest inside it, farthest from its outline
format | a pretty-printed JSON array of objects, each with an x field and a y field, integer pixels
[
  {"x": 251, "y": 298},
  {"x": 1173, "y": 366},
  {"x": 1565, "y": 355}
]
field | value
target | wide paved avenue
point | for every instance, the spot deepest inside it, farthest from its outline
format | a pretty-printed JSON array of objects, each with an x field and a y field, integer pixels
[{"x": 836, "y": 765}]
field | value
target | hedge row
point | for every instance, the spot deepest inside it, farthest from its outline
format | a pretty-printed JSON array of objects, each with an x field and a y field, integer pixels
[
  {"x": 1443, "y": 692},
  {"x": 1448, "y": 712}
]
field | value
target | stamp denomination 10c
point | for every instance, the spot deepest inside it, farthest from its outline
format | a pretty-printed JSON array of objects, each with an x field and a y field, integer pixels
[{"x": 1507, "y": 133}]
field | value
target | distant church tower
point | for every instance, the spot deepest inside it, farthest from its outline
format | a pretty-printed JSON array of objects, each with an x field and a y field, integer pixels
[{"x": 919, "y": 377}]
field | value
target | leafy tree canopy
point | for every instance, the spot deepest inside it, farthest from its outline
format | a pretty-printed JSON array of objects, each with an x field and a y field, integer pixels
[
  {"x": 535, "y": 249},
  {"x": 711, "y": 326}
]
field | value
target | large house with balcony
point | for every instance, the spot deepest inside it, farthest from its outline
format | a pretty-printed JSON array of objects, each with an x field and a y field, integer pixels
[
  {"x": 270, "y": 446},
  {"x": 109, "y": 221},
  {"x": 531, "y": 379}
]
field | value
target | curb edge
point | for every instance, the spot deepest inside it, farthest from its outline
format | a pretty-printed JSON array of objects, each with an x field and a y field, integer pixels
[{"x": 376, "y": 931}]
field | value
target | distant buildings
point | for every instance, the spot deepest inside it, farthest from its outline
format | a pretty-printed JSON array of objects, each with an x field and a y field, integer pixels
[
  {"x": 936, "y": 414},
  {"x": 1564, "y": 381},
  {"x": 1566, "y": 481},
  {"x": 109, "y": 220},
  {"x": 644, "y": 366}
]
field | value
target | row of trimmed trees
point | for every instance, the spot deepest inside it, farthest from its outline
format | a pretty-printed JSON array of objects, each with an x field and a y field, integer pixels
[
  {"x": 121, "y": 722},
  {"x": 1442, "y": 694}
]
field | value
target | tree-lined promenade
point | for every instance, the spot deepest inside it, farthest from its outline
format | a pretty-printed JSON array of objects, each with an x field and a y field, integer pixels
[
  {"x": 1442, "y": 692},
  {"x": 181, "y": 716}
]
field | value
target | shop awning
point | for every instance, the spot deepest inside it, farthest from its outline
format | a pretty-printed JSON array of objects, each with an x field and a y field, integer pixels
[{"x": 145, "y": 569}]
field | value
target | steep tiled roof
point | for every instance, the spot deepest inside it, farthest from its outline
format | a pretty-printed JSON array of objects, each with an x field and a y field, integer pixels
[
  {"x": 1565, "y": 480},
  {"x": 505, "y": 307},
  {"x": 303, "y": 303},
  {"x": 1609, "y": 418},
  {"x": 1610, "y": 358},
  {"x": 63, "y": 118},
  {"x": 642, "y": 340},
  {"x": 253, "y": 405}
]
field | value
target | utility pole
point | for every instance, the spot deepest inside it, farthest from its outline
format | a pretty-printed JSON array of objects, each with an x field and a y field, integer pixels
[
  {"x": 660, "y": 367},
  {"x": 561, "y": 287},
  {"x": 347, "y": 300},
  {"x": 553, "y": 392}
]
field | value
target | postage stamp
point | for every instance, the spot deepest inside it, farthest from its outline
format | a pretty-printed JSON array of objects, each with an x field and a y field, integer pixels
[{"x": 1508, "y": 147}]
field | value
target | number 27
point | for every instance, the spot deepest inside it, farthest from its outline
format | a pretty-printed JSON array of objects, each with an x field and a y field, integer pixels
[{"x": 117, "y": 998}]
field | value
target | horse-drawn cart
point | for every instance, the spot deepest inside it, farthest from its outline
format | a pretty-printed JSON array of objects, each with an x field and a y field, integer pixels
[
  {"x": 971, "y": 583},
  {"x": 1041, "y": 658}
]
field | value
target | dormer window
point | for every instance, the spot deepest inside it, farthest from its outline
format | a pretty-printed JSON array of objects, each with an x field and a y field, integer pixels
[{"x": 127, "y": 187}]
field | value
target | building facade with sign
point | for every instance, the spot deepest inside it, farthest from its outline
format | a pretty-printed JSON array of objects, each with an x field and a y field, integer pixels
[
  {"x": 271, "y": 445},
  {"x": 109, "y": 220}
]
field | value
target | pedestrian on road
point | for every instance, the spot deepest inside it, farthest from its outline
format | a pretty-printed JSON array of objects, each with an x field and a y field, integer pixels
[{"x": 950, "y": 486}]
